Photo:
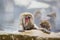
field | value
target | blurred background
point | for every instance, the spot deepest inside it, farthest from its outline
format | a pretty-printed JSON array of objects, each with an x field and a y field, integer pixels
[{"x": 10, "y": 11}]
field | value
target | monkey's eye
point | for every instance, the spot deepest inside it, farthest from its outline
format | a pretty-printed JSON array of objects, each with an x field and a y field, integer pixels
[{"x": 29, "y": 17}]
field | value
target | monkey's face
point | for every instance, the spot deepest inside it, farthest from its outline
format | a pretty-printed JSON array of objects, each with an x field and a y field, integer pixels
[
  {"x": 45, "y": 24},
  {"x": 27, "y": 18},
  {"x": 27, "y": 21}
]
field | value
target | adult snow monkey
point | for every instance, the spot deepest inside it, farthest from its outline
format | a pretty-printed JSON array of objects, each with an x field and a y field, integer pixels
[{"x": 27, "y": 21}]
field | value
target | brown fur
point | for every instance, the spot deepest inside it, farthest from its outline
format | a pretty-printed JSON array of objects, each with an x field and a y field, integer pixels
[
  {"x": 45, "y": 24},
  {"x": 30, "y": 24}
]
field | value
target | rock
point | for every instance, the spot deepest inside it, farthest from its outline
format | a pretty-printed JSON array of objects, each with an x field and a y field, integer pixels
[{"x": 29, "y": 35}]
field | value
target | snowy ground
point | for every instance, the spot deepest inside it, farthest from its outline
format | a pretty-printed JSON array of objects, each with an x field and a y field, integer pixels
[{"x": 33, "y": 33}]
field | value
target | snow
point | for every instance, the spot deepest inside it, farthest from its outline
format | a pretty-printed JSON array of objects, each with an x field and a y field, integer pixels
[{"x": 33, "y": 33}]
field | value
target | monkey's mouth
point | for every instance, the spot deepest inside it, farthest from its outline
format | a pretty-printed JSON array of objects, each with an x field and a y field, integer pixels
[{"x": 27, "y": 19}]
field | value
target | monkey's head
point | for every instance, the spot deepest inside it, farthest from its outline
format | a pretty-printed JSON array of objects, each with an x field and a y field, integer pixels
[
  {"x": 26, "y": 18},
  {"x": 45, "y": 24}
]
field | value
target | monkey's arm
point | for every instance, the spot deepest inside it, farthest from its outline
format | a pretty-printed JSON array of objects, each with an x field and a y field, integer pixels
[{"x": 42, "y": 29}]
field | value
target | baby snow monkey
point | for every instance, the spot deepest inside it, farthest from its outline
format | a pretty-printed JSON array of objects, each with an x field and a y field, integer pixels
[{"x": 46, "y": 26}]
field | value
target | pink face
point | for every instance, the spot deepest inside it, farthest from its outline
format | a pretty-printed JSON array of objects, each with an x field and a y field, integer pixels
[{"x": 27, "y": 19}]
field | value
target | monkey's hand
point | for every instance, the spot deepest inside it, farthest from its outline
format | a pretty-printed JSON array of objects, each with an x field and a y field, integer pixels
[{"x": 44, "y": 30}]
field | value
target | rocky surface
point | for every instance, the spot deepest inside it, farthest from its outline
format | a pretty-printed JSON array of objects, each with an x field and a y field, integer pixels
[{"x": 29, "y": 35}]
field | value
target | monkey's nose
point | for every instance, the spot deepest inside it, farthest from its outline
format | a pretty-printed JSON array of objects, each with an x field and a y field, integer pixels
[{"x": 26, "y": 19}]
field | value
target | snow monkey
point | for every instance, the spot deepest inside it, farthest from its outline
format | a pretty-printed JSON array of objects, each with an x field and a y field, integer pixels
[
  {"x": 45, "y": 24},
  {"x": 27, "y": 21}
]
